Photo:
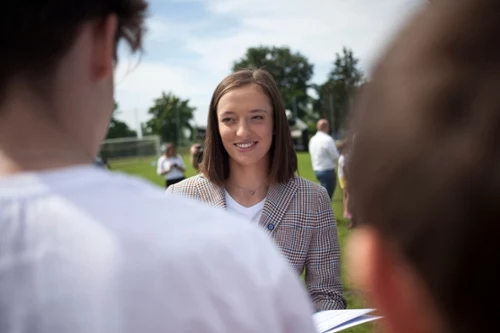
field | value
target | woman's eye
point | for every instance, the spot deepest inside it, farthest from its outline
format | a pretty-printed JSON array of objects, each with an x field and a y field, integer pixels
[
  {"x": 226, "y": 120},
  {"x": 258, "y": 117}
]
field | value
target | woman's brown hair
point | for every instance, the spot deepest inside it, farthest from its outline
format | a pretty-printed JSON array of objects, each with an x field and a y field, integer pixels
[{"x": 215, "y": 164}]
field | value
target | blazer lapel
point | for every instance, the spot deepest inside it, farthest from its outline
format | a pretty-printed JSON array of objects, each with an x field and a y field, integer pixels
[
  {"x": 212, "y": 194},
  {"x": 278, "y": 199}
]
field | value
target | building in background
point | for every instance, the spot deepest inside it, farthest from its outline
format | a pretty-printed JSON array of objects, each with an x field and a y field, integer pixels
[{"x": 299, "y": 131}]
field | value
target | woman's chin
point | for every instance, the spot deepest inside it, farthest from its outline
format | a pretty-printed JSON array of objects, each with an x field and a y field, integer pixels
[
  {"x": 244, "y": 162},
  {"x": 247, "y": 160}
]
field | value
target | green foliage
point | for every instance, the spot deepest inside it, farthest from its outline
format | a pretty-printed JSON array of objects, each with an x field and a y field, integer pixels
[
  {"x": 292, "y": 72},
  {"x": 336, "y": 93},
  {"x": 170, "y": 117},
  {"x": 117, "y": 128}
]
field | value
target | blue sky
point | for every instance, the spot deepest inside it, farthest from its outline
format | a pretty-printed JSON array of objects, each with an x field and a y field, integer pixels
[{"x": 191, "y": 44}]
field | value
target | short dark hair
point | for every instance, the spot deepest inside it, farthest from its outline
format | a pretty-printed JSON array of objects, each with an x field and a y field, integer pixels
[
  {"x": 425, "y": 163},
  {"x": 36, "y": 35},
  {"x": 215, "y": 164}
]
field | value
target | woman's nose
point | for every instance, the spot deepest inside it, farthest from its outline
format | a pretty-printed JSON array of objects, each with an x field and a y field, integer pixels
[{"x": 243, "y": 129}]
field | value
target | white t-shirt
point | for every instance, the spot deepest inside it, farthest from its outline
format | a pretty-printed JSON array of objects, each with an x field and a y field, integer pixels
[
  {"x": 83, "y": 250},
  {"x": 166, "y": 164},
  {"x": 341, "y": 166},
  {"x": 252, "y": 213},
  {"x": 323, "y": 151}
]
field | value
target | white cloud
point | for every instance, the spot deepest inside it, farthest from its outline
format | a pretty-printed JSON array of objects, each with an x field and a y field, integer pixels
[
  {"x": 138, "y": 85},
  {"x": 159, "y": 30},
  {"x": 316, "y": 28}
]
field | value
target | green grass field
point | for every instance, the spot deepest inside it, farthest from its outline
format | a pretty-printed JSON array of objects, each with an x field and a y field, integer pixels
[{"x": 145, "y": 167}]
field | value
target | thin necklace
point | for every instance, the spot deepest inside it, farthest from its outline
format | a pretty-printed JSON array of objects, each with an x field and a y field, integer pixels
[{"x": 250, "y": 191}]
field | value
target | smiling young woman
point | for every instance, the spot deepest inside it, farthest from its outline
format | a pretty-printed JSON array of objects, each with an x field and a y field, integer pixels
[{"x": 249, "y": 167}]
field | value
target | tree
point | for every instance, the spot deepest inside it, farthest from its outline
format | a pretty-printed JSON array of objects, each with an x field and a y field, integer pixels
[
  {"x": 170, "y": 117},
  {"x": 117, "y": 128},
  {"x": 335, "y": 94},
  {"x": 292, "y": 72}
]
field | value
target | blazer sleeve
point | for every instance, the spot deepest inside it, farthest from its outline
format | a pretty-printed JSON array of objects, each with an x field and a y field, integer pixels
[
  {"x": 178, "y": 189},
  {"x": 186, "y": 189},
  {"x": 170, "y": 189},
  {"x": 323, "y": 277}
]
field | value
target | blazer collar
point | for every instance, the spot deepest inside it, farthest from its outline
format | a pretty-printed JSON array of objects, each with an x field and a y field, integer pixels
[
  {"x": 212, "y": 194},
  {"x": 277, "y": 201}
]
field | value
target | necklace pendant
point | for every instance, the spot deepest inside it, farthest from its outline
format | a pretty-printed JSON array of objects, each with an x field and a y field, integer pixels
[{"x": 252, "y": 192}]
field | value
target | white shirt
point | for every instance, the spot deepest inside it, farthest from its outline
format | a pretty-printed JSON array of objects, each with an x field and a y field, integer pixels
[
  {"x": 83, "y": 250},
  {"x": 252, "y": 213},
  {"x": 166, "y": 164},
  {"x": 324, "y": 153}
]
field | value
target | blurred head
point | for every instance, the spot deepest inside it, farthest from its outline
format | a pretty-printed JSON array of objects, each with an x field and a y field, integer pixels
[
  {"x": 61, "y": 56},
  {"x": 170, "y": 150},
  {"x": 424, "y": 173},
  {"x": 247, "y": 125},
  {"x": 195, "y": 148},
  {"x": 322, "y": 126},
  {"x": 342, "y": 146}
]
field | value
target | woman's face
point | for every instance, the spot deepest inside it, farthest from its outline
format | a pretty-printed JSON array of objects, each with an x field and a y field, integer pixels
[{"x": 245, "y": 117}]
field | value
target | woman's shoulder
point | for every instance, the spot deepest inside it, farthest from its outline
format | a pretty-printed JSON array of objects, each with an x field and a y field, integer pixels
[
  {"x": 307, "y": 187},
  {"x": 189, "y": 185}
]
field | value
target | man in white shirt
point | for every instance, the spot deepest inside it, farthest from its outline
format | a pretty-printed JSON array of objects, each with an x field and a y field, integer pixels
[
  {"x": 324, "y": 156},
  {"x": 86, "y": 251}
]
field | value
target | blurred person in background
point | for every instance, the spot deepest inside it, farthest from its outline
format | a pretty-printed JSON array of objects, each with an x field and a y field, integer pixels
[
  {"x": 196, "y": 155},
  {"x": 171, "y": 165},
  {"x": 249, "y": 167},
  {"x": 83, "y": 250},
  {"x": 102, "y": 162},
  {"x": 324, "y": 156},
  {"x": 343, "y": 146},
  {"x": 425, "y": 173}
]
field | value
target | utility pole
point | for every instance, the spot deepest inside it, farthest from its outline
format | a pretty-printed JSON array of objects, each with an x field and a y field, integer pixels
[
  {"x": 332, "y": 114},
  {"x": 177, "y": 125},
  {"x": 294, "y": 106},
  {"x": 138, "y": 124}
]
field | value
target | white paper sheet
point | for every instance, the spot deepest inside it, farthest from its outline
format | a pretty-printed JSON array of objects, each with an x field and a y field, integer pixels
[
  {"x": 338, "y": 320},
  {"x": 354, "y": 322}
]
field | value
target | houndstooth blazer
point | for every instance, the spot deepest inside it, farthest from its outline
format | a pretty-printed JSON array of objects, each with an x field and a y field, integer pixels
[{"x": 299, "y": 217}]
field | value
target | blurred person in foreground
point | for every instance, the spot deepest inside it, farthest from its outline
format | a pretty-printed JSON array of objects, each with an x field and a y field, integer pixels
[
  {"x": 249, "y": 168},
  {"x": 83, "y": 250},
  {"x": 425, "y": 173}
]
